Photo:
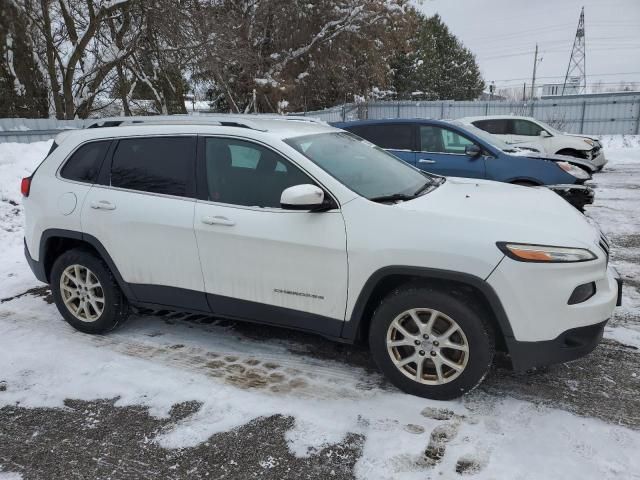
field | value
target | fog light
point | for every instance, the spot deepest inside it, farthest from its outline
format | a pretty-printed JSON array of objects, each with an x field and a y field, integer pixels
[{"x": 582, "y": 293}]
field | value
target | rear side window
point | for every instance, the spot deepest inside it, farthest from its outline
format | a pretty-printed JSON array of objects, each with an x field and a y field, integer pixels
[
  {"x": 157, "y": 165},
  {"x": 85, "y": 163},
  {"x": 392, "y": 137},
  {"x": 496, "y": 127}
]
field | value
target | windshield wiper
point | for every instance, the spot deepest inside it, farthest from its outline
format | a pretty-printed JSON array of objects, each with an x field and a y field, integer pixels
[
  {"x": 393, "y": 197},
  {"x": 424, "y": 188},
  {"x": 400, "y": 197}
]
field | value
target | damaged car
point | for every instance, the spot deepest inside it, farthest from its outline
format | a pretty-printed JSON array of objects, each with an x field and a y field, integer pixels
[{"x": 452, "y": 149}]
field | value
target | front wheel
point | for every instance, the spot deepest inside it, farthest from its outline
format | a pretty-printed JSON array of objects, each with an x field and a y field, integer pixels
[
  {"x": 431, "y": 344},
  {"x": 86, "y": 293}
]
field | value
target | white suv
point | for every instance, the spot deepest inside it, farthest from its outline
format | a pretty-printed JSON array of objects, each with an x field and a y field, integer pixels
[
  {"x": 530, "y": 133},
  {"x": 302, "y": 225}
]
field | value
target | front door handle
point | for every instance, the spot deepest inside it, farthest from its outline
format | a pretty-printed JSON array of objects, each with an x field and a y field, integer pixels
[
  {"x": 426, "y": 160},
  {"x": 102, "y": 205},
  {"x": 218, "y": 220}
]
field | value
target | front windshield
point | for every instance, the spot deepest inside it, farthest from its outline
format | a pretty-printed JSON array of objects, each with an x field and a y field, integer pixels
[
  {"x": 360, "y": 165},
  {"x": 486, "y": 136}
]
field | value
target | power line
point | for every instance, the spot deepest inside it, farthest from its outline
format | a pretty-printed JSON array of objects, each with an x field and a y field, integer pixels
[{"x": 562, "y": 76}]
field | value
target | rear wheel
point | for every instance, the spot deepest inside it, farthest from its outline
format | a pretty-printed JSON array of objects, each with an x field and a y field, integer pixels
[
  {"x": 86, "y": 293},
  {"x": 430, "y": 343}
]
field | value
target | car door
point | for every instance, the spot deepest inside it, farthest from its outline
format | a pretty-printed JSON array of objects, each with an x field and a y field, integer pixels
[
  {"x": 141, "y": 211},
  {"x": 442, "y": 151},
  {"x": 260, "y": 261},
  {"x": 397, "y": 138},
  {"x": 528, "y": 133}
]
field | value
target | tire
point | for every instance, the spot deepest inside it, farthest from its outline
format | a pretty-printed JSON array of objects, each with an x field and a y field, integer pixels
[
  {"x": 475, "y": 332},
  {"x": 105, "y": 306}
]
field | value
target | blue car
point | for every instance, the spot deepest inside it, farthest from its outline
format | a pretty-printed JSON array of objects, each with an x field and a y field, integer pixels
[{"x": 452, "y": 149}]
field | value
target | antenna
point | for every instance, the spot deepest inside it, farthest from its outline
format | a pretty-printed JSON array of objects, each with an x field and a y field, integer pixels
[{"x": 576, "y": 77}]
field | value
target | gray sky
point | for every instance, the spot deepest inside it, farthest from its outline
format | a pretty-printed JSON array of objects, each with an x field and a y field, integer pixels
[{"x": 503, "y": 33}]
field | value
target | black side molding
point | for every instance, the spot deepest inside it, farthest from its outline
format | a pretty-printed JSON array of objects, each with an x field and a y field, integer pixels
[
  {"x": 91, "y": 240},
  {"x": 246, "y": 310},
  {"x": 350, "y": 329}
]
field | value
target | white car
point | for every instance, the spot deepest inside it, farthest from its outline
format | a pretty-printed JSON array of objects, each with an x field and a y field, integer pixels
[
  {"x": 302, "y": 225},
  {"x": 527, "y": 132}
]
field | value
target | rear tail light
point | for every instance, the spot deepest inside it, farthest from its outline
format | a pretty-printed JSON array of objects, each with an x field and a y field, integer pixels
[{"x": 25, "y": 186}]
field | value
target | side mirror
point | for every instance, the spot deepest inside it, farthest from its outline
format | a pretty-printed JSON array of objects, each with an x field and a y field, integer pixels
[
  {"x": 472, "y": 150},
  {"x": 545, "y": 134},
  {"x": 302, "y": 197}
]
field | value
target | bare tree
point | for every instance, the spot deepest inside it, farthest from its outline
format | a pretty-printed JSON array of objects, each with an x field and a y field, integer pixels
[{"x": 78, "y": 45}]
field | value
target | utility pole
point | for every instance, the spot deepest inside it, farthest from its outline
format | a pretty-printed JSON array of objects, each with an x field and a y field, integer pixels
[
  {"x": 576, "y": 75},
  {"x": 533, "y": 78}
]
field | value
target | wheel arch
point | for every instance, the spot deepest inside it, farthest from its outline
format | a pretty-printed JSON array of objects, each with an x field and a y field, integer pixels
[
  {"x": 463, "y": 285},
  {"x": 54, "y": 242}
]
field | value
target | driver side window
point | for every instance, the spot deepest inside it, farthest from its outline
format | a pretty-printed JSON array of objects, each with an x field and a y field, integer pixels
[
  {"x": 248, "y": 174},
  {"x": 441, "y": 140}
]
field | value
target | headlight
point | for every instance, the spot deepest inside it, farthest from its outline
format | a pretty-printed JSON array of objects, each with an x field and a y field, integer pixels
[
  {"x": 589, "y": 142},
  {"x": 574, "y": 171},
  {"x": 545, "y": 254}
]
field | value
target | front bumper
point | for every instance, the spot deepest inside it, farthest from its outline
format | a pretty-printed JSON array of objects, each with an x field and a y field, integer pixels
[
  {"x": 577, "y": 195},
  {"x": 598, "y": 159},
  {"x": 568, "y": 345}
]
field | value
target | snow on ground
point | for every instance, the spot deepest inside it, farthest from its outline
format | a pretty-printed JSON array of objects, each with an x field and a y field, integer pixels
[
  {"x": 238, "y": 377},
  {"x": 17, "y": 160},
  {"x": 617, "y": 211}
]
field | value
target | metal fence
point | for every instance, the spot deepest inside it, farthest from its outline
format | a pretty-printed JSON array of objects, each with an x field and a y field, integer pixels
[
  {"x": 601, "y": 115},
  {"x": 589, "y": 114},
  {"x": 26, "y": 130}
]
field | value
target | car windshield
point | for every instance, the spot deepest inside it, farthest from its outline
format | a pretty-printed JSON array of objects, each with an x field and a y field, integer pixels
[
  {"x": 363, "y": 167},
  {"x": 486, "y": 136}
]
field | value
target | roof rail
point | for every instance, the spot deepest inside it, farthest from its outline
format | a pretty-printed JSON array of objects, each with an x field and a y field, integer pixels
[
  {"x": 227, "y": 120},
  {"x": 174, "y": 120}
]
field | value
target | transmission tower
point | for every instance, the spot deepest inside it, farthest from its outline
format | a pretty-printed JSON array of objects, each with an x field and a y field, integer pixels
[{"x": 576, "y": 76}]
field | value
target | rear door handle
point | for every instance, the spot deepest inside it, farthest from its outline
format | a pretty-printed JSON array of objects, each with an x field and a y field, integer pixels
[
  {"x": 426, "y": 160},
  {"x": 102, "y": 205},
  {"x": 218, "y": 220}
]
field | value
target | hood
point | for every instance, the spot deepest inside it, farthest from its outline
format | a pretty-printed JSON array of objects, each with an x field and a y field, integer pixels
[
  {"x": 595, "y": 139},
  {"x": 508, "y": 212}
]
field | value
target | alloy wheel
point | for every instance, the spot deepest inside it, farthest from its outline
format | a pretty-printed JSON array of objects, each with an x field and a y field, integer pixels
[
  {"x": 427, "y": 346},
  {"x": 82, "y": 293}
]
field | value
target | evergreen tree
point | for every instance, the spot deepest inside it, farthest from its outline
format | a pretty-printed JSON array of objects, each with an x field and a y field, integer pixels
[{"x": 437, "y": 67}]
